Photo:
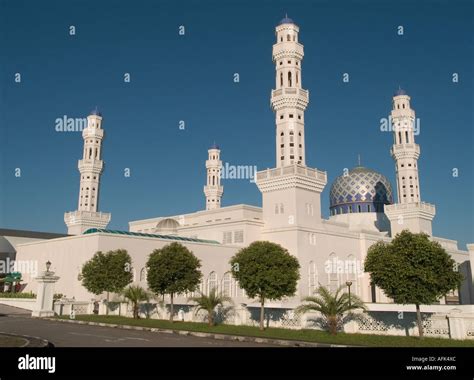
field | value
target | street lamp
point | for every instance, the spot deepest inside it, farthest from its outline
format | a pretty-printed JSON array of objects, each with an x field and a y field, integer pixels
[
  {"x": 48, "y": 265},
  {"x": 349, "y": 283}
]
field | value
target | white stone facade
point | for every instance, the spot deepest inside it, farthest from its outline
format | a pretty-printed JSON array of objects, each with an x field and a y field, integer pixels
[{"x": 330, "y": 251}]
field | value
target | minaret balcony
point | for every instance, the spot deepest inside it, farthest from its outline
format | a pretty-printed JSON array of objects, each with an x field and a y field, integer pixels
[
  {"x": 403, "y": 113},
  {"x": 291, "y": 176},
  {"x": 287, "y": 49},
  {"x": 94, "y": 218},
  {"x": 92, "y": 166},
  {"x": 405, "y": 151},
  {"x": 213, "y": 163},
  {"x": 290, "y": 97},
  {"x": 411, "y": 207},
  {"x": 94, "y": 133}
]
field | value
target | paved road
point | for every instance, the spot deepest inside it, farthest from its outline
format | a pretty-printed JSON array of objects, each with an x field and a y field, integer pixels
[{"x": 18, "y": 321}]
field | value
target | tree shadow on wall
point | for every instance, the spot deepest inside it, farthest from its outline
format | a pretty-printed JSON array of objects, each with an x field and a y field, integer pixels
[
  {"x": 382, "y": 321},
  {"x": 321, "y": 323},
  {"x": 273, "y": 315}
]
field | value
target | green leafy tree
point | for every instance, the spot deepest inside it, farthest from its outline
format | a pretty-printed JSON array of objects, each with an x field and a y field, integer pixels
[
  {"x": 107, "y": 272},
  {"x": 135, "y": 294},
  {"x": 412, "y": 269},
  {"x": 173, "y": 269},
  {"x": 265, "y": 270},
  {"x": 331, "y": 306},
  {"x": 209, "y": 303}
]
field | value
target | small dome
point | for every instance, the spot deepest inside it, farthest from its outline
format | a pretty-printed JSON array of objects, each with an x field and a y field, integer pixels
[
  {"x": 95, "y": 112},
  {"x": 214, "y": 146},
  {"x": 167, "y": 226},
  {"x": 399, "y": 92},
  {"x": 360, "y": 190},
  {"x": 286, "y": 20}
]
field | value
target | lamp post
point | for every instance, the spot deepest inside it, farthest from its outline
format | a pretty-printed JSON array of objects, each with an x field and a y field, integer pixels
[
  {"x": 349, "y": 283},
  {"x": 44, "y": 306}
]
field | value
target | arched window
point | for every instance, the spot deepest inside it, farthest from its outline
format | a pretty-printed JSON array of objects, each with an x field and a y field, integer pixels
[
  {"x": 239, "y": 292},
  {"x": 288, "y": 37},
  {"x": 227, "y": 285},
  {"x": 199, "y": 289},
  {"x": 406, "y": 137},
  {"x": 399, "y": 137},
  {"x": 281, "y": 79},
  {"x": 289, "y": 79},
  {"x": 211, "y": 282},
  {"x": 213, "y": 180},
  {"x": 297, "y": 78},
  {"x": 143, "y": 274},
  {"x": 332, "y": 269},
  {"x": 312, "y": 278}
]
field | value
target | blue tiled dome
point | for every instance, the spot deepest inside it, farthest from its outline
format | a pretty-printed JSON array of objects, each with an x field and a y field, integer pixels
[
  {"x": 286, "y": 20},
  {"x": 95, "y": 112},
  {"x": 360, "y": 190},
  {"x": 400, "y": 91},
  {"x": 214, "y": 146}
]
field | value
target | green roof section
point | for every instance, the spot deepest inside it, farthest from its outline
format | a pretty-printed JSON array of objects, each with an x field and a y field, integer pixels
[{"x": 156, "y": 236}]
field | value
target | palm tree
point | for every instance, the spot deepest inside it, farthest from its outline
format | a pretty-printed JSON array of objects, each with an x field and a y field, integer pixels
[
  {"x": 135, "y": 294},
  {"x": 209, "y": 303},
  {"x": 331, "y": 306}
]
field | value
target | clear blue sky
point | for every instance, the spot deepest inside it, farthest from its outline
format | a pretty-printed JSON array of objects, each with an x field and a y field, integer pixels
[{"x": 190, "y": 78}]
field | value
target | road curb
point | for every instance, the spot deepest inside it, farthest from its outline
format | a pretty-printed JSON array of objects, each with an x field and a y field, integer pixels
[{"x": 240, "y": 338}]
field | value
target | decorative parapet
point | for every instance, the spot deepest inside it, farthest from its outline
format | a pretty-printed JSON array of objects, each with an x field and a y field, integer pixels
[
  {"x": 87, "y": 219},
  {"x": 287, "y": 49},
  {"x": 93, "y": 166},
  {"x": 291, "y": 176},
  {"x": 412, "y": 206},
  {"x": 405, "y": 150},
  {"x": 292, "y": 169},
  {"x": 284, "y": 97}
]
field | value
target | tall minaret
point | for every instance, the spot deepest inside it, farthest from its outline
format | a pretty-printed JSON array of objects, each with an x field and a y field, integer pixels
[
  {"x": 90, "y": 167},
  {"x": 291, "y": 192},
  {"x": 289, "y": 100},
  {"x": 405, "y": 151},
  {"x": 410, "y": 212},
  {"x": 213, "y": 190}
]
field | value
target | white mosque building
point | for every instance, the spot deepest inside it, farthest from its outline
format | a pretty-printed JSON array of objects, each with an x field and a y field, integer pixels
[{"x": 363, "y": 208}]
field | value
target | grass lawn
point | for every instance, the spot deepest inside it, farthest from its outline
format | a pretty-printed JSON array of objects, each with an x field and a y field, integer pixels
[
  {"x": 12, "y": 341},
  {"x": 277, "y": 333}
]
